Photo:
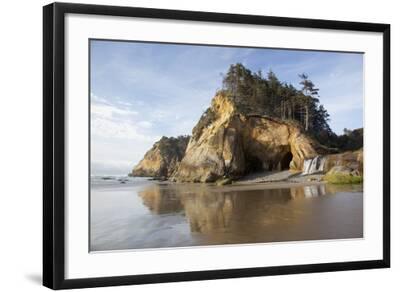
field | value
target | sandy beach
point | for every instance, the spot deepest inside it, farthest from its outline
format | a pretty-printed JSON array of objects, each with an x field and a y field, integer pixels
[{"x": 142, "y": 213}]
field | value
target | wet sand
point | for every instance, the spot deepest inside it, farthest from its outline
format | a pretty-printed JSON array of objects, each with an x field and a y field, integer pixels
[{"x": 148, "y": 214}]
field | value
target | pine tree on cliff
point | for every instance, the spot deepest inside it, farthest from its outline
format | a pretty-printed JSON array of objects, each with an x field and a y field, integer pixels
[
  {"x": 309, "y": 98},
  {"x": 274, "y": 93},
  {"x": 239, "y": 82},
  {"x": 260, "y": 90},
  {"x": 269, "y": 96}
]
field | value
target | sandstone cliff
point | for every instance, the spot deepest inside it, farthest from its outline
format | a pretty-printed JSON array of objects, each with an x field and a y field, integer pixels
[
  {"x": 350, "y": 160},
  {"x": 233, "y": 139},
  {"x": 163, "y": 158},
  {"x": 345, "y": 167}
]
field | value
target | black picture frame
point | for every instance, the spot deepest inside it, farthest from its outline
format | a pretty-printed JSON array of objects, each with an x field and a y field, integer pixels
[{"x": 54, "y": 144}]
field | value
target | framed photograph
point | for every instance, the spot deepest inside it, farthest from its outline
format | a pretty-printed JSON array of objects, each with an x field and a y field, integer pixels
[{"x": 182, "y": 145}]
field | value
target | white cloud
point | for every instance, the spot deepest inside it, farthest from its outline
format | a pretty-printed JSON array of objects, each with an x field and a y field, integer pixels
[
  {"x": 96, "y": 98},
  {"x": 145, "y": 124},
  {"x": 110, "y": 167},
  {"x": 113, "y": 121},
  {"x": 109, "y": 128},
  {"x": 159, "y": 114},
  {"x": 116, "y": 156},
  {"x": 109, "y": 111},
  {"x": 124, "y": 103}
]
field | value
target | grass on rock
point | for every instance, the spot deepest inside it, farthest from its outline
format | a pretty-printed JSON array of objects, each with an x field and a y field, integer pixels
[{"x": 338, "y": 178}]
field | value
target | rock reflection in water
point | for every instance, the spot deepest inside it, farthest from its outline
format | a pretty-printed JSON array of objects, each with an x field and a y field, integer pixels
[
  {"x": 227, "y": 215},
  {"x": 145, "y": 214},
  {"x": 208, "y": 211}
]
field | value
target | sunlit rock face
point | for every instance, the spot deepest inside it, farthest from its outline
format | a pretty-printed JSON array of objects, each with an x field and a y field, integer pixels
[
  {"x": 230, "y": 142},
  {"x": 163, "y": 158},
  {"x": 350, "y": 160}
]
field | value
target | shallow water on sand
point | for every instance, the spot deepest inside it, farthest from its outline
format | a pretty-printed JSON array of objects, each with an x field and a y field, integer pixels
[{"x": 145, "y": 214}]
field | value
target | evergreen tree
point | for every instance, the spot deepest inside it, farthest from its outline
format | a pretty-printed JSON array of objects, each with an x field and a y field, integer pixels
[
  {"x": 309, "y": 91},
  {"x": 239, "y": 82},
  {"x": 269, "y": 96}
]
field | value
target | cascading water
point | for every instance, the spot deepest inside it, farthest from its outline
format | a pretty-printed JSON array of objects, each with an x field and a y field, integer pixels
[{"x": 314, "y": 165}]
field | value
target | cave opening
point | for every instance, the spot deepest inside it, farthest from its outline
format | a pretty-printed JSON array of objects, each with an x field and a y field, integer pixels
[
  {"x": 254, "y": 164},
  {"x": 285, "y": 161}
]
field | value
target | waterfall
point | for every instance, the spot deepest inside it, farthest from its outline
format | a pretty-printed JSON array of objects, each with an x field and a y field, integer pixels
[
  {"x": 321, "y": 163},
  {"x": 306, "y": 165},
  {"x": 314, "y": 165}
]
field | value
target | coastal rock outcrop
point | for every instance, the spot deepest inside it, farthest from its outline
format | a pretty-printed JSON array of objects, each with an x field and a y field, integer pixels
[
  {"x": 350, "y": 160},
  {"x": 163, "y": 158},
  {"x": 255, "y": 125},
  {"x": 233, "y": 139},
  {"x": 344, "y": 168},
  {"x": 230, "y": 140}
]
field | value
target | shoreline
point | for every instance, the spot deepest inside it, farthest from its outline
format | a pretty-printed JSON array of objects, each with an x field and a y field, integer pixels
[
  {"x": 238, "y": 186},
  {"x": 261, "y": 180},
  {"x": 254, "y": 181}
]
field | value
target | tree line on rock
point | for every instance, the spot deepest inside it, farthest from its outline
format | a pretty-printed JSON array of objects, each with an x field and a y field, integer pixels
[
  {"x": 172, "y": 145},
  {"x": 350, "y": 140},
  {"x": 249, "y": 100},
  {"x": 277, "y": 99},
  {"x": 254, "y": 93}
]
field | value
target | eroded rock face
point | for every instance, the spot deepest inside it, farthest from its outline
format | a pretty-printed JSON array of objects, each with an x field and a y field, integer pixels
[
  {"x": 228, "y": 142},
  {"x": 163, "y": 158},
  {"x": 350, "y": 161}
]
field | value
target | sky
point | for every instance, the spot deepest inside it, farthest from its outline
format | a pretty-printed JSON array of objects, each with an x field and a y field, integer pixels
[{"x": 142, "y": 91}]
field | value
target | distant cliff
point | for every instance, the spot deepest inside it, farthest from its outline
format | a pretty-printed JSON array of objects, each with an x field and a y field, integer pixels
[{"x": 163, "y": 158}]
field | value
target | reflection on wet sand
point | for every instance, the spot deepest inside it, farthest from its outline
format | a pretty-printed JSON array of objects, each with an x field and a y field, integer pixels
[{"x": 221, "y": 215}]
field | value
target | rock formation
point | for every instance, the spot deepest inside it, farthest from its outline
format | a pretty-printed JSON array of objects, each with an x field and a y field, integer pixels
[
  {"x": 344, "y": 168},
  {"x": 163, "y": 158},
  {"x": 352, "y": 161},
  {"x": 233, "y": 139}
]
